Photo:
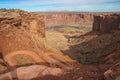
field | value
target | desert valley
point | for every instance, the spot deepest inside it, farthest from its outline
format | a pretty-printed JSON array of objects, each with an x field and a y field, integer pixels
[{"x": 59, "y": 45}]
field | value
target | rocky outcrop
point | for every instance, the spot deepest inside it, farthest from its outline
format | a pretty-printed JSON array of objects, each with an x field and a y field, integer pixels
[
  {"x": 22, "y": 19},
  {"x": 18, "y": 30},
  {"x": 113, "y": 73},
  {"x": 106, "y": 23},
  {"x": 54, "y": 19},
  {"x": 30, "y": 72}
]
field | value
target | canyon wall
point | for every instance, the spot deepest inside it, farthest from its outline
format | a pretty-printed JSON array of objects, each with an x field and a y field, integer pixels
[
  {"x": 20, "y": 30},
  {"x": 54, "y": 19},
  {"x": 78, "y": 18},
  {"x": 106, "y": 23}
]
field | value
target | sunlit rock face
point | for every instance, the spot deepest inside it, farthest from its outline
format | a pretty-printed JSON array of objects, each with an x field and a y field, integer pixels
[
  {"x": 106, "y": 23},
  {"x": 52, "y": 19},
  {"x": 22, "y": 19},
  {"x": 30, "y": 72}
]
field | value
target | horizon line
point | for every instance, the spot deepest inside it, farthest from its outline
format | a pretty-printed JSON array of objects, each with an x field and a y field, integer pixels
[{"x": 52, "y": 11}]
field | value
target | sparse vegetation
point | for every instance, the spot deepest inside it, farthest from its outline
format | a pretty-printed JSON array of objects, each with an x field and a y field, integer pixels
[
  {"x": 12, "y": 10},
  {"x": 23, "y": 60},
  {"x": 71, "y": 28}
]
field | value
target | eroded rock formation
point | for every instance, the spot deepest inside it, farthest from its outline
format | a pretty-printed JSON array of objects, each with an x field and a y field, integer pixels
[
  {"x": 106, "y": 23},
  {"x": 22, "y": 19}
]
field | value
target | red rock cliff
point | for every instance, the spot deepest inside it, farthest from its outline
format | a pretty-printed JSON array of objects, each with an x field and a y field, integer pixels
[
  {"x": 52, "y": 19},
  {"x": 106, "y": 23}
]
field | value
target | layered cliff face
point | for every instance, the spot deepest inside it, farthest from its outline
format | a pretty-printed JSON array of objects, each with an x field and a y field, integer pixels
[
  {"x": 106, "y": 23},
  {"x": 53, "y": 19},
  {"x": 20, "y": 30}
]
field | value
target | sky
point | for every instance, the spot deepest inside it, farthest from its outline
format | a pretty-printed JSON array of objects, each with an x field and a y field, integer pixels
[{"x": 63, "y": 5}]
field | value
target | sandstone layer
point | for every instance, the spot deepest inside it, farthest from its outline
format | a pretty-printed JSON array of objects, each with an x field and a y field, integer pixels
[
  {"x": 54, "y": 19},
  {"x": 70, "y": 18},
  {"x": 30, "y": 72}
]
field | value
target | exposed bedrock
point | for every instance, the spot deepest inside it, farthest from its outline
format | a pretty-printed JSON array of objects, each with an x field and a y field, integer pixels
[
  {"x": 106, "y": 23},
  {"x": 22, "y": 19}
]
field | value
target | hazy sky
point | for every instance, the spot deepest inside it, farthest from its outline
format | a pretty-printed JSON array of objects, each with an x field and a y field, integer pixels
[{"x": 63, "y": 5}]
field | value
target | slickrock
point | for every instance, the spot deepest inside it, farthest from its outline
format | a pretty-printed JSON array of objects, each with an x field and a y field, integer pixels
[{"x": 30, "y": 72}]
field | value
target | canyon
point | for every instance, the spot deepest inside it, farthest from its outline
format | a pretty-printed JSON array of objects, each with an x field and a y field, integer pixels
[
  {"x": 97, "y": 45},
  {"x": 59, "y": 46}
]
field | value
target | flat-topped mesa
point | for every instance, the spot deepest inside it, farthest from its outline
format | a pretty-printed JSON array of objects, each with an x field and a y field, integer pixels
[
  {"x": 106, "y": 23},
  {"x": 23, "y": 19}
]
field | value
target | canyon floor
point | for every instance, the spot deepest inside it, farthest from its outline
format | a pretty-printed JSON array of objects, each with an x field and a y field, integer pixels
[{"x": 94, "y": 51}]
